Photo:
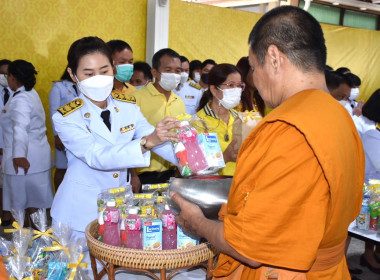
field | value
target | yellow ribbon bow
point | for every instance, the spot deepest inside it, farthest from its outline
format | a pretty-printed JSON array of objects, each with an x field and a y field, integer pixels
[
  {"x": 10, "y": 230},
  {"x": 74, "y": 266},
  {"x": 251, "y": 115},
  {"x": 47, "y": 233},
  {"x": 57, "y": 247}
]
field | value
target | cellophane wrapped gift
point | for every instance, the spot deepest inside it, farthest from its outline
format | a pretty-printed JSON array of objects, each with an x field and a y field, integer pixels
[
  {"x": 76, "y": 267},
  {"x": 43, "y": 237},
  {"x": 57, "y": 267},
  {"x": 243, "y": 124}
]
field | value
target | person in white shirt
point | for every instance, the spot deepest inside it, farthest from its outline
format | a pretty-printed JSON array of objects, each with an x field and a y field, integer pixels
[{"x": 27, "y": 158}]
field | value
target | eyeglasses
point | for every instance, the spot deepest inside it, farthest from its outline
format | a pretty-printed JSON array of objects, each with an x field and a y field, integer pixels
[{"x": 234, "y": 85}]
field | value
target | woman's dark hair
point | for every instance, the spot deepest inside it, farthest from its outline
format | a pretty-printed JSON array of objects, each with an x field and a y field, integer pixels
[
  {"x": 144, "y": 68},
  {"x": 371, "y": 109},
  {"x": 217, "y": 76},
  {"x": 65, "y": 76},
  {"x": 247, "y": 99},
  {"x": 84, "y": 46},
  {"x": 194, "y": 65},
  {"x": 24, "y": 72}
]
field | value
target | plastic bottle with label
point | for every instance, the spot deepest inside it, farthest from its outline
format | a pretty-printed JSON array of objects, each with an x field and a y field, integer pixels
[
  {"x": 133, "y": 227},
  {"x": 189, "y": 138},
  {"x": 169, "y": 229},
  {"x": 111, "y": 217}
]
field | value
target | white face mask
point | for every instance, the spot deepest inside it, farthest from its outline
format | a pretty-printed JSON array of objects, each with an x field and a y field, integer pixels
[
  {"x": 184, "y": 77},
  {"x": 354, "y": 93},
  {"x": 169, "y": 81},
  {"x": 97, "y": 88},
  {"x": 197, "y": 77},
  {"x": 3, "y": 81},
  {"x": 343, "y": 102},
  {"x": 231, "y": 97}
]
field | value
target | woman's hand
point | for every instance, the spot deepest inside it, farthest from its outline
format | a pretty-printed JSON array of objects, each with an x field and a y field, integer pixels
[
  {"x": 162, "y": 133},
  {"x": 230, "y": 154},
  {"x": 21, "y": 162},
  {"x": 58, "y": 143}
]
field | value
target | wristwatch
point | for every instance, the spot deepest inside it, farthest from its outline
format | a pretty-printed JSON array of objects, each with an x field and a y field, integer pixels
[{"x": 143, "y": 143}]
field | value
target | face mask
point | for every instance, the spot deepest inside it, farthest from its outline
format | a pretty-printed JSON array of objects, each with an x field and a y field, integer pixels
[
  {"x": 184, "y": 77},
  {"x": 197, "y": 77},
  {"x": 3, "y": 81},
  {"x": 354, "y": 93},
  {"x": 97, "y": 88},
  {"x": 231, "y": 97},
  {"x": 343, "y": 102},
  {"x": 124, "y": 72},
  {"x": 204, "y": 78},
  {"x": 138, "y": 87},
  {"x": 169, "y": 81}
]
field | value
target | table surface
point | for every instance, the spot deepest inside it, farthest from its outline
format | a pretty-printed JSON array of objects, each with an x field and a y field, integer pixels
[{"x": 365, "y": 235}]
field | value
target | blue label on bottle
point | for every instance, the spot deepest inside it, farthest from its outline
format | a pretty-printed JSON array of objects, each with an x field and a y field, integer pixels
[{"x": 150, "y": 229}]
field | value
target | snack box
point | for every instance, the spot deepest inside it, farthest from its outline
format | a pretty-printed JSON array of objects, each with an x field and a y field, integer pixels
[
  {"x": 183, "y": 240},
  {"x": 152, "y": 234},
  {"x": 210, "y": 147}
]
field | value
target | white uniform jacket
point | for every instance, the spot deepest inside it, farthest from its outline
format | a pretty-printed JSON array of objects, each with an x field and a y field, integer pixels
[
  {"x": 98, "y": 158},
  {"x": 191, "y": 94},
  {"x": 2, "y": 92},
  {"x": 24, "y": 133},
  {"x": 370, "y": 134}
]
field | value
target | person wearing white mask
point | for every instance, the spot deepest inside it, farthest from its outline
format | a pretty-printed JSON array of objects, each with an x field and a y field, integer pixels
[
  {"x": 157, "y": 100},
  {"x": 339, "y": 87},
  {"x": 141, "y": 75},
  {"x": 195, "y": 71},
  {"x": 104, "y": 135},
  {"x": 216, "y": 110},
  {"x": 122, "y": 56},
  {"x": 189, "y": 91}
]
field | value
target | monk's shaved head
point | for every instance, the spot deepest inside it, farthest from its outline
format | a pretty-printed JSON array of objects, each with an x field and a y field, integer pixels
[{"x": 295, "y": 32}]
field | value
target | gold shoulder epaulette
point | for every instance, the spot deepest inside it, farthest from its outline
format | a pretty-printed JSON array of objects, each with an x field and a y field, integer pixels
[
  {"x": 70, "y": 107},
  {"x": 195, "y": 86},
  {"x": 378, "y": 126},
  {"x": 124, "y": 97}
]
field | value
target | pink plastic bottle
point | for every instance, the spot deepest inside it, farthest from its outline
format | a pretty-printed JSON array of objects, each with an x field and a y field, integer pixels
[
  {"x": 133, "y": 228},
  {"x": 169, "y": 230},
  {"x": 189, "y": 138},
  {"x": 111, "y": 218}
]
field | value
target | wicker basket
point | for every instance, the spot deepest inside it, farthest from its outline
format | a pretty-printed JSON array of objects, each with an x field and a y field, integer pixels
[{"x": 143, "y": 259}]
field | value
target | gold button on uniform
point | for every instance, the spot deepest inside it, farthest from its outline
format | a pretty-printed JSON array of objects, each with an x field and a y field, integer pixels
[{"x": 115, "y": 175}]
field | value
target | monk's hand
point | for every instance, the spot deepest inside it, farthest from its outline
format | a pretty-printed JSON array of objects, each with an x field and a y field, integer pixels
[
  {"x": 21, "y": 162},
  {"x": 190, "y": 216},
  {"x": 230, "y": 154}
]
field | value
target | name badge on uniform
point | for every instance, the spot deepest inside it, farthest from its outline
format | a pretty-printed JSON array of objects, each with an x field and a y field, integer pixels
[
  {"x": 127, "y": 128},
  {"x": 189, "y": 96}
]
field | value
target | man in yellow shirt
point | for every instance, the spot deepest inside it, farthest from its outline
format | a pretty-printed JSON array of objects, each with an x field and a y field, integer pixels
[
  {"x": 122, "y": 56},
  {"x": 157, "y": 101}
]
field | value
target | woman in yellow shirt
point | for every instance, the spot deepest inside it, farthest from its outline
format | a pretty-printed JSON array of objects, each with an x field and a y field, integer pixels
[{"x": 215, "y": 109}]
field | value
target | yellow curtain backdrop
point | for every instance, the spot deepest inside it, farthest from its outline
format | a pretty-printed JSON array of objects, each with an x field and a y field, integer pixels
[
  {"x": 42, "y": 31},
  {"x": 201, "y": 31}
]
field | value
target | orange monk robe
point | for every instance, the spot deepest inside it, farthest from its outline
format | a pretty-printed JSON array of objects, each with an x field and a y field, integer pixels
[
  {"x": 297, "y": 187},
  {"x": 3, "y": 271}
]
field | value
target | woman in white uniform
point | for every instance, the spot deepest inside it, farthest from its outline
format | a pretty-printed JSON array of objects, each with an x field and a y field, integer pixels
[
  {"x": 103, "y": 134},
  {"x": 27, "y": 158},
  {"x": 62, "y": 92}
]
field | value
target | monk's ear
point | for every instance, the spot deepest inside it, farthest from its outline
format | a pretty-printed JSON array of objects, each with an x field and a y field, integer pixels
[{"x": 274, "y": 56}]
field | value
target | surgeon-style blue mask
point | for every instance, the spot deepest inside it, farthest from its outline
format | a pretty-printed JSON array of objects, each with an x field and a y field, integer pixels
[{"x": 124, "y": 72}]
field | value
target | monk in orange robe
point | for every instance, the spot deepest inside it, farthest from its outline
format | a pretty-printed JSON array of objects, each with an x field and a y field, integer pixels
[{"x": 299, "y": 174}]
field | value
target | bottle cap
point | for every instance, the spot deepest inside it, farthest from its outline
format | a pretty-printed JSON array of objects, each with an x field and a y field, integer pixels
[
  {"x": 167, "y": 207},
  {"x": 183, "y": 123},
  {"x": 111, "y": 203},
  {"x": 133, "y": 211}
]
